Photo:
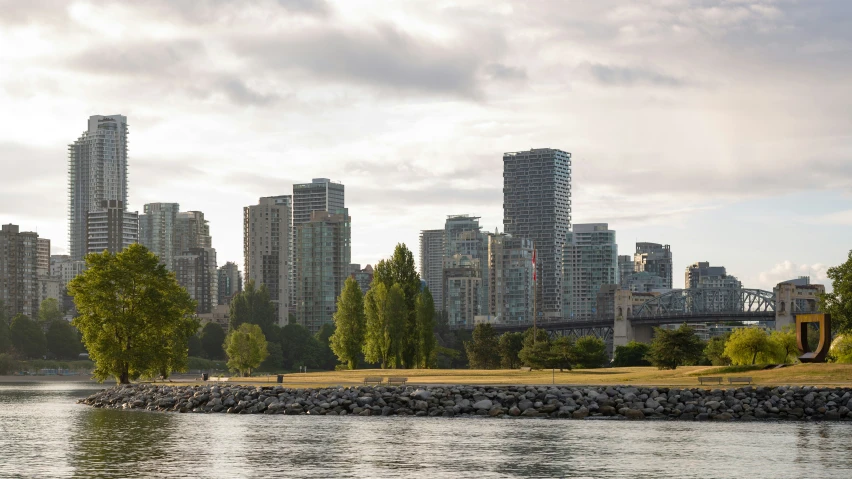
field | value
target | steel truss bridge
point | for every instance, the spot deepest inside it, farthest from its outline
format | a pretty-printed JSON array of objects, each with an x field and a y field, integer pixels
[{"x": 699, "y": 305}]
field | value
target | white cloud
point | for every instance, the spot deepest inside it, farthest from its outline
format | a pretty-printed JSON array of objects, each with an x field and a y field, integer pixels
[{"x": 787, "y": 270}]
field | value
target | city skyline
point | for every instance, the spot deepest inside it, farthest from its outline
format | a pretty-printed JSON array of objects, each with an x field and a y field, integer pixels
[{"x": 704, "y": 152}]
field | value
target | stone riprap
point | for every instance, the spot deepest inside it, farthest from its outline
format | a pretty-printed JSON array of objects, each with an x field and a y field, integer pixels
[{"x": 746, "y": 403}]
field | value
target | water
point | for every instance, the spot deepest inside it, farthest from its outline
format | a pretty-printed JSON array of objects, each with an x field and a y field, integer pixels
[{"x": 43, "y": 433}]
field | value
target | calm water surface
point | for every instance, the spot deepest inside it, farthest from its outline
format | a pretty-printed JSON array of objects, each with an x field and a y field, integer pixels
[{"x": 43, "y": 433}]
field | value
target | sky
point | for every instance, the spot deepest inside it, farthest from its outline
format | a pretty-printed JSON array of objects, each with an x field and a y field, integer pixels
[{"x": 722, "y": 128}]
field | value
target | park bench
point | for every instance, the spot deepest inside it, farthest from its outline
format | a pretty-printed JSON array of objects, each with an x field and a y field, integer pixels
[
  {"x": 710, "y": 380},
  {"x": 372, "y": 380},
  {"x": 397, "y": 381},
  {"x": 526, "y": 369},
  {"x": 739, "y": 380}
]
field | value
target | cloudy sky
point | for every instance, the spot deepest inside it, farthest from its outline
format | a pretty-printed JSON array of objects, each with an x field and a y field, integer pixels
[{"x": 723, "y": 128}]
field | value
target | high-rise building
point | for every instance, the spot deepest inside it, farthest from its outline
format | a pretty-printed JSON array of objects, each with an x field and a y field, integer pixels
[
  {"x": 195, "y": 270},
  {"x": 19, "y": 288},
  {"x": 191, "y": 231},
  {"x": 63, "y": 267},
  {"x": 321, "y": 194},
  {"x": 590, "y": 260},
  {"x": 43, "y": 258},
  {"x": 702, "y": 272},
  {"x": 656, "y": 259},
  {"x": 364, "y": 277},
  {"x": 157, "y": 230},
  {"x": 230, "y": 282},
  {"x": 625, "y": 268},
  {"x": 111, "y": 228},
  {"x": 643, "y": 283},
  {"x": 323, "y": 254},
  {"x": 462, "y": 282},
  {"x": 719, "y": 290},
  {"x": 510, "y": 278},
  {"x": 537, "y": 206},
  {"x": 432, "y": 264},
  {"x": 266, "y": 248},
  {"x": 97, "y": 171},
  {"x": 463, "y": 236}
]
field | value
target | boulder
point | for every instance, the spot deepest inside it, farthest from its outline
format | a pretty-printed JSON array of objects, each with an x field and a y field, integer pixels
[{"x": 483, "y": 404}]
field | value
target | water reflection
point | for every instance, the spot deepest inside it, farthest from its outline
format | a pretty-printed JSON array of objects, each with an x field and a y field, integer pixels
[{"x": 44, "y": 434}]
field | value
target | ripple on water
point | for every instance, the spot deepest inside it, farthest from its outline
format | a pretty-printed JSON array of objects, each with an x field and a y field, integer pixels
[{"x": 43, "y": 433}]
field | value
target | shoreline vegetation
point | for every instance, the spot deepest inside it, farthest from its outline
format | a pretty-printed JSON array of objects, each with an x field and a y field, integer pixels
[{"x": 808, "y": 403}]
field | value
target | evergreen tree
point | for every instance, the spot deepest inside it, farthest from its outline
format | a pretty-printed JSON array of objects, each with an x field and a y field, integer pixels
[
  {"x": 350, "y": 324},
  {"x": 27, "y": 337},
  {"x": 562, "y": 353},
  {"x": 400, "y": 270},
  {"x": 385, "y": 320},
  {"x": 425, "y": 315},
  {"x": 326, "y": 360},
  {"x": 536, "y": 350},
  {"x": 134, "y": 316},
  {"x": 838, "y": 303},
  {"x": 510, "y": 346},
  {"x": 253, "y": 306},
  {"x": 589, "y": 352},
  {"x": 483, "y": 350},
  {"x": 675, "y": 347},
  {"x": 212, "y": 338}
]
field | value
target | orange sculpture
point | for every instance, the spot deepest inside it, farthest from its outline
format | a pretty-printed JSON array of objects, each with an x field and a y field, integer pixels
[{"x": 824, "y": 321}]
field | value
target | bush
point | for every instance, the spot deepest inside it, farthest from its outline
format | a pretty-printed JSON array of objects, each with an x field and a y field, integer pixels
[
  {"x": 7, "y": 364},
  {"x": 675, "y": 347},
  {"x": 631, "y": 354}
]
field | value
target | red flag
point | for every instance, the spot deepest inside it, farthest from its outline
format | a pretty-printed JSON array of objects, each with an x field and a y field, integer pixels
[{"x": 533, "y": 263}]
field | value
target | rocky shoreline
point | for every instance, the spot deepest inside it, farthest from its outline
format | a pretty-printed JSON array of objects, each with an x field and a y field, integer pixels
[{"x": 747, "y": 403}]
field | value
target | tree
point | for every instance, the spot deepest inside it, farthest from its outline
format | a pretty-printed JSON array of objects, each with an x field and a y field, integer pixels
[
  {"x": 841, "y": 349},
  {"x": 562, "y": 353},
  {"x": 510, "y": 346},
  {"x": 27, "y": 337},
  {"x": 49, "y": 311},
  {"x": 745, "y": 344},
  {"x": 212, "y": 338},
  {"x": 784, "y": 345},
  {"x": 349, "y": 325},
  {"x": 194, "y": 348},
  {"x": 675, "y": 347},
  {"x": 400, "y": 270},
  {"x": 275, "y": 361},
  {"x": 386, "y": 315},
  {"x": 589, "y": 352},
  {"x": 300, "y": 347},
  {"x": 631, "y": 354},
  {"x": 63, "y": 340},
  {"x": 5, "y": 334},
  {"x": 246, "y": 348},
  {"x": 715, "y": 350},
  {"x": 425, "y": 316},
  {"x": 326, "y": 359},
  {"x": 838, "y": 303},
  {"x": 134, "y": 316},
  {"x": 536, "y": 351},
  {"x": 253, "y": 306},
  {"x": 483, "y": 351}
]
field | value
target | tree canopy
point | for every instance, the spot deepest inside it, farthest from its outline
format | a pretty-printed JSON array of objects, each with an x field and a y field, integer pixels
[
  {"x": 510, "y": 345},
  {"x": 134, "y": 317},
  {"x": 254, "y": 306},
  {"x": 425, "y": 318},
  {"x": 385, "y": 325},
  {"x": 746, "y": 344},
  {"x": 838, "y": 303},
  {"x": 350, "y": 324},
  {"x": 483, "y": 351},
  {"x": 714, "y": 351},
  {"x": 246, "y": 348},
  {"x": 27, "y": 337},
  {"x": 589, "y": 352},
  {"x": 631, "y": 354},
  {"x": 675, "y": 347},
  {"x": 49, "y": 311},
  {"x": 212, "y": 339},
  {"x": 63, "y": 339},
  {"x": 401, "y": 270}
]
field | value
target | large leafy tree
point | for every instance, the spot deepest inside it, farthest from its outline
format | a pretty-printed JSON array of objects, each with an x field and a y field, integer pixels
[
  {"x": 63, "y": 340},
  {"x": 784, "y": 345},
  {"x": 300, "y": 347},
  {"x": 5, "y": 334},
  {"x": 212, "y": 338},
  {"x": 49, "y": 311},
  {"x": 536, "y": 350},
  {"x": 483, "y": 351},
  {"x": 425, "y": 316},
  {"x": 386, "y": 319},
  {"x": 400, "y": 270},
  {"x": 134, "y": 316},
  {"x": 838, "y": 303},
  {"x": 714, "y": 351},
  {"x": 246, "y": 348},
  {"x": 589, "y": 352},
  {"x": 675, "y": 347},
  {"x": 27, "y": 337},
  {"x": 510, "y": 346},
  {"x": 326, "y": 359},
  {"x": 746, "y": 344},
  {"x": 254, "y": 306},
  {"x": 349, "y": 325},
  {"x": 631, "y": 354}
]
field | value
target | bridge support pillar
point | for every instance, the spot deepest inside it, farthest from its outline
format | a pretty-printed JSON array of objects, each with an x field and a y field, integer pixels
[
  {"x": 623, "y": 330},
  {"x": 784, "y": 305}
]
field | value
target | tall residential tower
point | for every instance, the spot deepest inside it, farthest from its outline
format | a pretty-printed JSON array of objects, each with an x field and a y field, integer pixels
[
  {"x": 266, "y": 247},
  {"x": 590, "y": 261}
]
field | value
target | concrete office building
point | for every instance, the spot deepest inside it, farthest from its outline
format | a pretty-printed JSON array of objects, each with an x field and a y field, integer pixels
[
  {"x": 537, "y": 206},
  {"x": 111, "y": 228},
  {"x": 510, "y": 278},
  {"x": 323, "y": 255},
  {"x": 195, "y": 270},
  {"x": 230, "y": 282},
  {"x": 656, "y": 259},
  {"x": 157, "y": 230},
  {"x": 19, "y": 288},
  {"x": 97, "y": 172},
  {"x": 266, "y": 249},
  {"x": 625, "y": 268},
  {"x": 432, "y": 264},
  {"x": 590, "y": 260}
]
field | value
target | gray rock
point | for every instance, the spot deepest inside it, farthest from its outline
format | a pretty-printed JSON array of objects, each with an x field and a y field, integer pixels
[
  {"x": 483, "y": 404},
  {"x": 421, "y": 394}
]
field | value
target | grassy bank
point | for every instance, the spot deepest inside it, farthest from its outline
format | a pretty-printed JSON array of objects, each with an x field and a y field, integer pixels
[{"x": 802, "y": 374}]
